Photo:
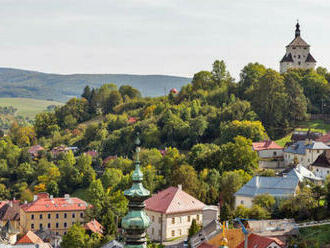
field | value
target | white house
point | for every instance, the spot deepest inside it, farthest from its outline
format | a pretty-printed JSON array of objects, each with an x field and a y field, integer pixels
[
  {"x": 321, "y": 166},
  {"x": 270, "y": 154},
  {"x": 171, "y": 212},
  {"x": 305, "y": 152}
]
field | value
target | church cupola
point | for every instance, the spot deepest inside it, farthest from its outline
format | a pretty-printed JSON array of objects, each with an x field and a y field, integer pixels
[{"x": 297, "y": 30}]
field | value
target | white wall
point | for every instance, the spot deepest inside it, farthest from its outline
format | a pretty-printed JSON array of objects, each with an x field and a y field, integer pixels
[
  {"x": 270, "y": 153},
  {"x": 306, "y": 159},
  {"x": 243, "y": 200},
  {"x": 321, "y": 171}
]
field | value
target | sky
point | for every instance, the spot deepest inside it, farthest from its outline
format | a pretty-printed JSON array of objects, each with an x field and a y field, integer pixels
[{"x": 172, "y": 37}]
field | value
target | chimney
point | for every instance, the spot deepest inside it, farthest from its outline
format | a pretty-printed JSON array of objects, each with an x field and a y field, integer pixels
[
  {"x": 180, "y": 186},
  {"x": 67, "y": 196},
  {"x": 35, "y": 197},
  {"x": 51, "y": 197},
  {"x": 25, "y": 202},
  {"x": 257, "y": 181},
  {"x": 11, "y": 204}
]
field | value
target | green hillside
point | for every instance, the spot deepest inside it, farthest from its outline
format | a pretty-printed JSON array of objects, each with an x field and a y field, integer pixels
[
  {"x": 27, "y": 107},
  {"x": 31, "y": 84}
]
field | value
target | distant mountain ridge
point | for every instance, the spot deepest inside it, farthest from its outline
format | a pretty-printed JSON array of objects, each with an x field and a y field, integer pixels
[{"x": 60, "y": 87}]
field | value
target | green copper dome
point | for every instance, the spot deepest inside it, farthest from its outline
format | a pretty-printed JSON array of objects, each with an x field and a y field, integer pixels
[{"x": 136, "y": 220}]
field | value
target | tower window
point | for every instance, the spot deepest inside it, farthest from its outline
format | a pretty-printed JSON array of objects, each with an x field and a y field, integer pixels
[
  {"x": 298, "y": 56},
  {"x": 299, "y": 62}
]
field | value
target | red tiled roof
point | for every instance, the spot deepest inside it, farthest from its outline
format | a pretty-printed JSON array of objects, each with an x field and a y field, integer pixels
[
  {"x": 255, "y": 240},
  {"x": 46, "y": 204},
  {"x": 109, "y": 158},
  {"x": 132, "y": 120},
  {"x": 94, "y": 226},
  {"x": 173, "y": 200},
  {"x": 30, "y": 238},
  {"x": 265, "y": 145},
  {"x": 92, "y": 153},
  {"x": 325, "y": 138},
  {"x": 9, "y": 210},
  {"x": 35, "y": 149}
]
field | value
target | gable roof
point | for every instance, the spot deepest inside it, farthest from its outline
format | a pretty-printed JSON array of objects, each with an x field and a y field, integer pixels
[
  {"x": 45, "y": 204},
  {"x": 303, "y": 173},
  {"x": 234, "y": 237},
  {"x": 300, "y": 147},
  {"x": 94, "y": 226},
  {"x": 287, "y": 58},
  {"x": 173, "y": 200},
  {"x": 299, "y": 42},
  {"x": 30, "y": 238},
  {"x": 310, "y": 58},
  {"x": 265, "y": 145},
  {"x": 276, "y": 186},
  {"x": 256, "y": 241},
  {"x": 9, "y": 210},
  {"x": 322, "y": 160}
]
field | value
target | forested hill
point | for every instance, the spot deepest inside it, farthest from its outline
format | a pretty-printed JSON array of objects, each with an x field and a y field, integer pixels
[{"x": 22, "y": 83}]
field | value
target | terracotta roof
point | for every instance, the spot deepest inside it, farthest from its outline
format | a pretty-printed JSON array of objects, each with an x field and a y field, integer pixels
[
  {"x": 132, "y": 120},
  {"x": 234, "y": 237},
  {"x": 255, "y": 240},
  {"x": 287, "y": 58},
  {"x": 173, "y": 200},
  {"x": 30, "y": 238},
  {"x": 265, "y": 145},
  {"x": 35, "y": 149},
  {"x": 109, "y": 158},
  {"x": 46, "y": 204},
  {"x": 299, "y": 42},
  {"x": 94, "y": 226},
  {"x": 92, "y": 153},
  {"x": 310, "y": 58},
  {"x": 325, "y": 138},
  {"x": 9, "y": 210}
]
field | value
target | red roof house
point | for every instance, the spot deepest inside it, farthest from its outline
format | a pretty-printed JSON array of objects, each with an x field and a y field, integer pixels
[
  {"x": 94, "y": 226},
  {"x": 266, "y": 145},
  {"x": 257, "y": 241},
  {"x": 30, "y": 238},
  {"x": 34, "y": 150},
  {"x": 91, "y": 153},
  {"x": 132, "y": 120}
]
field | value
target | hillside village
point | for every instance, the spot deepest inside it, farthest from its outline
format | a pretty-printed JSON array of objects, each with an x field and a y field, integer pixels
[{"x": 198, "y": 167}]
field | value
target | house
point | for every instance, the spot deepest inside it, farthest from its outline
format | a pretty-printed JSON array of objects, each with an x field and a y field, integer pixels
[
  {"x": 34, "y": 150},
  {"x": 9, "y": 211},
  {"x": 8, "y": 233},
  {"x": 304, "y": 152},
  {"x": 94, "y": 227},
  {"x": 299, "y": 135},
  {"x": 55, "y": 214},
  {"x": 321, "y": 166},
  {"x": 270, "y": 154},
  {"x": 279, "y": 187},
  {"x": 257, "y": 241},
  {"x": 206, "y": 233},
  {"x": 48, "y": 236},
  {"x": 297, "y": 54},
  {"x": 171, "y": 212},
  {"x": 234, "y": 238},
  {"x": 32, "y": 238},
  {"x": 325, "y": 139},
  {"x": 62, "y": 148},
  {"x": 109, "y": 158},
  {"x": 92, "y": 153},
  {"x": 302, "y": 173},
  {"x": 281, "y": 229}
]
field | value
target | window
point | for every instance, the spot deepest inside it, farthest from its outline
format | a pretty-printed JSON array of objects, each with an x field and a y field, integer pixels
[
  {"x": 64, "y": 233},
  {"x": 40, "y": 216},
  {"x": 160, "y": 220},
  {"x": 32, "y": 216},
  {"x": 197, "y": 217},
  {"x": 32, "y": 226},
  {"x": 173, "y": 233},
  {"x": 40, "y": 226},
  {"x": 188, "y": 218},
  {"x": 49, "y": 216},
  {"x": 153, "y": 218},
  {"x": 81, "y": 215},
  {"x": 57, "y": 216},
  {"x": 65, "y": 215},
  {"x": 152, "y": 231},
  {"x": 73, "y": 215},
  {"x": 242, "y": 202},
  {"x": 72, "y": 222},
  {"x": 317, "y": 169},
  {"x": 274, "y": 153},
  {"x": 173, "y": 220},
  {"x": 298, "y": 56},
  {"x": 327, "y": 172},
  {"x": 318, "y": 151},
  {"x": 180, "y": 232},
  {"x": 159, "y": 233},
  {"x": 299, "y": 62},
  {"x": 56, "y": 233},
  {"x": 65, "y": 224},
  {"x": 56, "y": 225},
  {"x": 48, "y": 225}
]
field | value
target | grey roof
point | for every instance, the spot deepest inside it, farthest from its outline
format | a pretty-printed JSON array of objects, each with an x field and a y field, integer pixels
[
  {"x": 206, "y": 233},
  {"x": 302, "y": 173},
  {"x": 300, "y": 147},
  {"x": 113, "y": 244},
  {"x": 298, "y": 41},
  {"x": 276, "y": 186},
  {"x": 287, "y": 58}
]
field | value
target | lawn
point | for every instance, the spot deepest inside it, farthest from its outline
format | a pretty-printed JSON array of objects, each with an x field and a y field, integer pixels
[
  {"x": 27, "y": 107},
  {"x": 314, "y": 126},
  {"x": 316, "y": 234}
]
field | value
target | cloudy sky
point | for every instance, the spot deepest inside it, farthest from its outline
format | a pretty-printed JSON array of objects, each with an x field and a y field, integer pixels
[{"x": 175, "y": 37}]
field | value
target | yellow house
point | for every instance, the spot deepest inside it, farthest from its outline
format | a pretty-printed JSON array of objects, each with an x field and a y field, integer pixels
[{"x": 56, "y": 214}]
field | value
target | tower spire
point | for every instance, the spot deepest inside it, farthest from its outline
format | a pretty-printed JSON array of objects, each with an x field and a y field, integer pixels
[
  {"x": 136, "y": 221},
  {"x": 297, "y": 33}
]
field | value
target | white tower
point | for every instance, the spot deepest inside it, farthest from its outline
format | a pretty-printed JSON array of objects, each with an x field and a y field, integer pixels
[{"x": 297, "y": 54}]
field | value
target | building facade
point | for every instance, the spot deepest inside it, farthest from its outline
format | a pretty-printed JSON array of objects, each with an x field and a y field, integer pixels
[
  {"x": 297, "y": 54},
  {"x": 321, "y": 166},
  {"x": 270, "y": 154},
  {"x": 55, "y": 214}
]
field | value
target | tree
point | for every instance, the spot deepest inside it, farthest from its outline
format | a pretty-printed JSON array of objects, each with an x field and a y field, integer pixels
[
  {"x": 4, "y": 192},
  {"x": 258, "y": 212},
  {"x": 129, "y": 91},
  {"x": 187, "y": 177},
  {"x": 111, "y": 177},
  {"x": 204, "y": 155},
  {"x": 111, "y": 101},
  {"x": 194, "y": 228},
  {"x": 87, "y": 93},
  {"x": 151, "y": 180},
  {"x": 265, "y": 201},
  {"x": 76, "y": 237},
  {"x": 45, "y": 123}
]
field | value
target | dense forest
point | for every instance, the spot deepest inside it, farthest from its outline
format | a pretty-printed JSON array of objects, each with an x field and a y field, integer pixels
[{"x": 199, "y": 137}]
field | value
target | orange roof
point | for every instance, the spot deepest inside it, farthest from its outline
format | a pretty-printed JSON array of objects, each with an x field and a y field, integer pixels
[
  {"x": 173, "y": 200},
  {"x": 234, "y": 237},
  {"x": 255, "y": 240},
  {"x": 94, "y": 226},
  {"x": 46, "y": 204},
  {"x": 265, "y": 145},
  {"x": 35, "y": 149},
  {"x": 132, "y": 120},
  {"x": 30, "y": 238}
]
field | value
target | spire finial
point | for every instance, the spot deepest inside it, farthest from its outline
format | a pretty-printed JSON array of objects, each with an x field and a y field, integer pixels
[{"x": 297, "y": 33}]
